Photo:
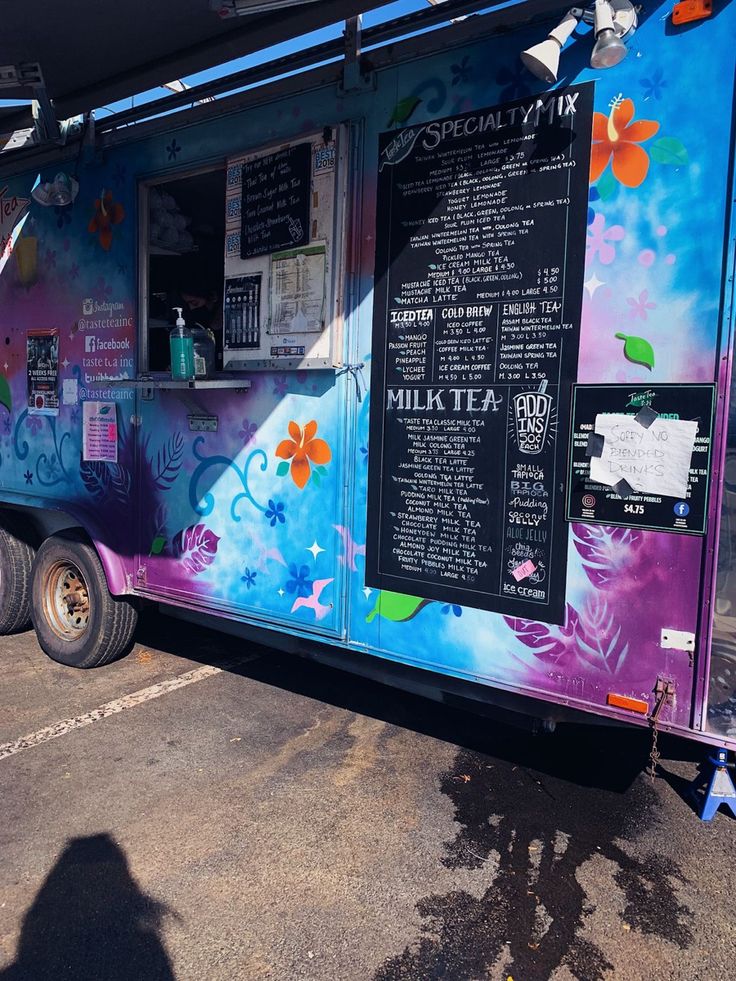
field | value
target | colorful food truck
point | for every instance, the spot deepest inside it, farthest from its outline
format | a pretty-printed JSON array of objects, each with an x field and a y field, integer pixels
[{"x": 471, "y": 295}]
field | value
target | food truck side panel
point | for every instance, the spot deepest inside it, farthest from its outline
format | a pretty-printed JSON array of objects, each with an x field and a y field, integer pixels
[{"x": 266, "y": 547}]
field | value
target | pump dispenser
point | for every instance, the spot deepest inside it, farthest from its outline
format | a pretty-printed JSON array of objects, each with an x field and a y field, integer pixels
[{"x": 181, "y": 344}]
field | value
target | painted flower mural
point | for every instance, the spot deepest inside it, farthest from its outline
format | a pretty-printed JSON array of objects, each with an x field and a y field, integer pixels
[
  {"x": 617, "y": 137},
  {"x": 107, "y": 213},
  {"x": 303, "y": 450}
]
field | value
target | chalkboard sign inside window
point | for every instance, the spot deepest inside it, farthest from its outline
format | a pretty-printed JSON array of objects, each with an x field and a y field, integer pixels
[{"x": 275, "y": 208}]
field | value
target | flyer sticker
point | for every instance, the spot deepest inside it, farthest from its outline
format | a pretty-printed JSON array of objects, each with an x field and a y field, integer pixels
[
  {"x": 99, "y": 432},
  {"x": 524, "y": 570},
  {"x": 42, "y": 368}
]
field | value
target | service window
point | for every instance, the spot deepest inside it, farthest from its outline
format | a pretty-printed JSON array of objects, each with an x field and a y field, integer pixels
[{"x": 183, "y": 232}]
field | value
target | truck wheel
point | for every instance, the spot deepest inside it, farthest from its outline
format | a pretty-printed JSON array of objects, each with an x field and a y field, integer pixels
[
  {"x": 16, "y": 559},
  {"x": 77, "y": 621}
]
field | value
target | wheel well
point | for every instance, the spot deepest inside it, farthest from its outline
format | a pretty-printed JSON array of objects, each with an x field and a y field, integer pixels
[{"x": 34, "y": 525}]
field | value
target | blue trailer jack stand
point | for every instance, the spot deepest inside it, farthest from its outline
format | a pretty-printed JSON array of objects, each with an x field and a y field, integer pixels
[{"x": 718, "y": 787}]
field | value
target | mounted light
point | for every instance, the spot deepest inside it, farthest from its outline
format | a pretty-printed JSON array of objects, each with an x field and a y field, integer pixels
[
  {"x": 543, "y": 59},
  {"x": 608, "y": 49},
  {"x": 58, "y": 193},
  {"x": 613, "y": 21}
]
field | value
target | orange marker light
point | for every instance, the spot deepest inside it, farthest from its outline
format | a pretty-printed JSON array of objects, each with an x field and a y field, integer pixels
[
  {"x": 624, "y": 702},
  {"x": 690, "y": 10}
]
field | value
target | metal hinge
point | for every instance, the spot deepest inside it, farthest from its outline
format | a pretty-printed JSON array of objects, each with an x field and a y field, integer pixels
[{"x": 140, "y": 575}]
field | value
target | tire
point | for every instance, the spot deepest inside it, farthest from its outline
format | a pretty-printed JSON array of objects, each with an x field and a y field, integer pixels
[
  {"x": 16, "y": 559},
  {"x": 77, "y": 621}
]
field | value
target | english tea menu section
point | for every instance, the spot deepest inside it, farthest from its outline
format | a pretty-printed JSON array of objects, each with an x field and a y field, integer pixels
[{"x": 479, "y": 280}]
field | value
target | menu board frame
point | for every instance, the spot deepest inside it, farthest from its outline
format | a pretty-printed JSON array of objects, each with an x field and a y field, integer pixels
[{"x": 507, "y": 571}]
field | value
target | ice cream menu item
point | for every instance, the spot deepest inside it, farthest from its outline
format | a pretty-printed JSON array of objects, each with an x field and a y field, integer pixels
[{"x": 480, "y": 251}]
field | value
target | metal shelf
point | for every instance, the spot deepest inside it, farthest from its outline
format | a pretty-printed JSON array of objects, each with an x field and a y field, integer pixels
[{"x": 195, "y": 385}]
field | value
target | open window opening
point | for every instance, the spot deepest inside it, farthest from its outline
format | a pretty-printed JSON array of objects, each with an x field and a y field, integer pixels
[{"x": 183, "y": 263}]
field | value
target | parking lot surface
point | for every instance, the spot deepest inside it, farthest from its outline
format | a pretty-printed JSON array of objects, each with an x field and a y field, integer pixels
[{"x": 209, "y": 809}]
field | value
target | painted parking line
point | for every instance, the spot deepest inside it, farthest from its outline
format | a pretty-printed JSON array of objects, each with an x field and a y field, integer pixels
[{"x": 111, "y": 708}]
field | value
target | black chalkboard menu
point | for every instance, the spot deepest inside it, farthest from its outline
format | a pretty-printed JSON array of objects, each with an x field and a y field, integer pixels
[
  {"x": 632, "y": 410},
  {"x": 480, "y": 245},
  {"x": 275, "y": 205}
]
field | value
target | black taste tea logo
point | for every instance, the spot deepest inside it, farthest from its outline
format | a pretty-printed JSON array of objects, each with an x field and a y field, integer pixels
[{"x": 532, "y": 414}]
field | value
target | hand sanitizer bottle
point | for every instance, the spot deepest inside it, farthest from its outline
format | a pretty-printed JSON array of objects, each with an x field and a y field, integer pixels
[{"x": 181, "y": 344}]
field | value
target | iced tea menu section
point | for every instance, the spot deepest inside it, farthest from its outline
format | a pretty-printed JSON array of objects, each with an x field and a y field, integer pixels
[{"x": 481, "y": 228}]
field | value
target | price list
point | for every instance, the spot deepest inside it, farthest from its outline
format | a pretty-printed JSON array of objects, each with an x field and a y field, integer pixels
[{"x": 479, "y": 278}]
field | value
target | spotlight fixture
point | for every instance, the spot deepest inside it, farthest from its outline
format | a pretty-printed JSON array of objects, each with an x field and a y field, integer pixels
[
  {"x": 613, "y": 22},
  {"x": 543, "y": 59}
]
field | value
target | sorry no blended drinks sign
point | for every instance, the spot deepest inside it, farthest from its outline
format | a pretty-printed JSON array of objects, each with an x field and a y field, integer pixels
[{"x": 479, "y": 280}]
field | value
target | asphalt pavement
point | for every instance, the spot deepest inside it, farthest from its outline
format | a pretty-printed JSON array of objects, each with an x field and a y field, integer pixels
[{"x": 209, "y": 809}]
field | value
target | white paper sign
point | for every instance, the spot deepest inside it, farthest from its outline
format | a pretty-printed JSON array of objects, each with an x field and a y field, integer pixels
[
  {"x": 70, "y": 391},
  {"x": 100, "y": 432},
  {"x": 653, "y": 461}
]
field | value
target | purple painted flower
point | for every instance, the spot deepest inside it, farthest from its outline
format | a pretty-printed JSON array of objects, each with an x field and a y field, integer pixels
[
  {"x": 600, "y": 239},
  {"x": 29, "y": 477},
  {"x": 50, "y": 257},
  {"x": 280, "y": 384},
  {"x": 275, "y": 513},
  {"x": 299, "y": 582},
  {"x": 248, "y": 432},
  {"x": 6, "y": 424},
  {"x": 73, "y": 271},
  {"x": 74, "y": 415},
  {"x": 249, "y": 577},
  {"x": 638, "y": 308},
  {"x": 34, "y": 423},
  {"x": 102, "y": 288}
]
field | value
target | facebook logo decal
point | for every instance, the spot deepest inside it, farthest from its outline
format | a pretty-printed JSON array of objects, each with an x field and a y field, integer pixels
[{"x": 682, "y": 510}]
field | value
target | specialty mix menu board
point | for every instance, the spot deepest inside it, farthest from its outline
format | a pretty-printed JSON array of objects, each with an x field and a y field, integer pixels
[{"x": 479, "y": 278}]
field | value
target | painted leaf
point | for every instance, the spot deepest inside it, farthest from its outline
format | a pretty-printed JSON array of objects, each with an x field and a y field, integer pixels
[
  {"x": 105, "y": 410},
  {"x": 120, "y": 482},
  {"x": 6, "y": 398},
  {"x": 669, "y": 150},
  {"x": 396, "y": 606},
  {"x": 606, "y": 552},
  {"x": 637, "y": 350},
  {"x": 157, "y": 545},
  {"x": 282, "y": 469},
  {"x": 403, "y": 109},
  {"x": 96, "y": 478},
  {"x": 607, "y": 186},
  {"x": 195, "y": 547},
  {"x": 168, "y": 462}
]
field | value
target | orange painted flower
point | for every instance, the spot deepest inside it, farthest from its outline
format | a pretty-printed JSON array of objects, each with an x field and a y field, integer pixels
[
  {"x": 107, "y": 213},
  {"x": 618, "y": 137},
  {"x": 301, "y": 449}
]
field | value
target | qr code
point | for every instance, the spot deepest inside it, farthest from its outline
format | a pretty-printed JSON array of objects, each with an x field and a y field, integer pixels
[
  {"x": 234, "y": 174},
  {"x": 232, "y": 244},
  {"x": 233, "y": 208}
]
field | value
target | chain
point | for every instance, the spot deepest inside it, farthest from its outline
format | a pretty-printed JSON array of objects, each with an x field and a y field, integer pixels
[{"x": 654, "y": 754}]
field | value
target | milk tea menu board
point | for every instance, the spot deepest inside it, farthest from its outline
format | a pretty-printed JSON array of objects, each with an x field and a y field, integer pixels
[{"x": 479, "y": 280}]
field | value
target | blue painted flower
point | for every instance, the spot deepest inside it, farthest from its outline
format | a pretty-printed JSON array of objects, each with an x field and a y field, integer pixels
[
  {"x": 249, "y": 578},
  {"x": 29, "y": 477},
  {"x": 593, "y": 195},
  {"x": 173, "y": 149},
  {"x": 515, "y": 81},
  {"x": 7, "y": 425},
  {"x": 299, "y": 582},
  {"x": 34, "y": 423},
  {"x": 653, "y": 86},
  {"x": 457, "y": 610},
  {"x": 364, "y": 451},
  {"x": 275, "y": 513},
  {"x": 50, "y": 257},
  {"x": 119, "y": 173},
  {"x": 73, "y": 271},
  {"x": 74, "y": 415},
  {"x": 462, "y": 72}
]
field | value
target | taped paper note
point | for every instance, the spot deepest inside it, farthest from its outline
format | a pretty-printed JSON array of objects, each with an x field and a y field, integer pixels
[{"x": 655, "y": 460}]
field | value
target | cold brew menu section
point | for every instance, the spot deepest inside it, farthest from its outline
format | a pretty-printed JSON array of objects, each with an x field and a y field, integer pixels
[{"x": 479, "y": 276}]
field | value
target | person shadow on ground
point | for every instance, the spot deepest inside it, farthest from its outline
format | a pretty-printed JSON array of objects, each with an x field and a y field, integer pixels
[{"x": 90, "y": 920}]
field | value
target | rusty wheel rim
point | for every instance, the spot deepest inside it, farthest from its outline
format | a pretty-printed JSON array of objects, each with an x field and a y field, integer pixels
[{"x": 66, "y": 600}]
